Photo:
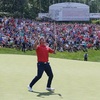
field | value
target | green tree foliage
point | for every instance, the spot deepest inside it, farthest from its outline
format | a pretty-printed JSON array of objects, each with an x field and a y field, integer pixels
[{"x": 31, "y": 8}]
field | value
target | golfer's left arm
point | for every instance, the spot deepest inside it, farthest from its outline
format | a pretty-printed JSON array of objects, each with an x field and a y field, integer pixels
[
  {"x": 55, "y": 47},
  {"x": 53, "y": 50}
]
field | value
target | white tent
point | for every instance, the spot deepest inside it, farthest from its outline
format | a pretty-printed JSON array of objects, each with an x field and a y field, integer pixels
[{"x": 69, "y": 11}]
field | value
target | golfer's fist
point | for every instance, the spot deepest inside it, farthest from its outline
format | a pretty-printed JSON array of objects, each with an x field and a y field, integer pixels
[{"x": 36, "y": 41}]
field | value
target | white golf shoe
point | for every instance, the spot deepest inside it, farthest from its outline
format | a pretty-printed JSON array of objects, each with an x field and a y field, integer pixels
[
  {"x": 30, "y": 89},
  {"x": 50, "y": 89}
]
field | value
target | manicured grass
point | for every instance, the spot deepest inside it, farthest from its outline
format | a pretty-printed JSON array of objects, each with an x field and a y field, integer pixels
[
  {"x": 73, "y": 80},
  {"x": 93, "y": 55},
  {"x": 14, "y": 51}
]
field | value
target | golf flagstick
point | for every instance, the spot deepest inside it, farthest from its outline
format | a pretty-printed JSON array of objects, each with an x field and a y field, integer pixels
[{"x": 55, "y": 41}]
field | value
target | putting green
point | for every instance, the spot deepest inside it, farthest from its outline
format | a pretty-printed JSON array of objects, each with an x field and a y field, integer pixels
[{"x": 73, "y": 80}]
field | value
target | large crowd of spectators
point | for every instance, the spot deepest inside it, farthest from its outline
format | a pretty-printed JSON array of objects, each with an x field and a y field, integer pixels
[{"x": 21, "y": 33}]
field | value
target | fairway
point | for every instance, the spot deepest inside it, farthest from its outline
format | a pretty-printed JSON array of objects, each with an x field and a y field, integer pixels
[{"x": 73, "y": 80}]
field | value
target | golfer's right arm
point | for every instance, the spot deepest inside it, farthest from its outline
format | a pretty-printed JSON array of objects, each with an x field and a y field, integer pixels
[{"x": 35, "y": 44}]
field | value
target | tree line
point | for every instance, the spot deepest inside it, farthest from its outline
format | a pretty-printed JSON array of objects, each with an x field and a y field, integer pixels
[{"x": 31, "y": 8}]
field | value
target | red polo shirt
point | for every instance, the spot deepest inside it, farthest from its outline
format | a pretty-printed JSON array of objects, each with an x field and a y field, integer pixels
[{"x": 43, "y": 53}]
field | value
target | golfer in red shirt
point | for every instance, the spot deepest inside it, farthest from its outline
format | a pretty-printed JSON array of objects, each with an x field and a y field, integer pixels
[{"x": 42, "y": 51}]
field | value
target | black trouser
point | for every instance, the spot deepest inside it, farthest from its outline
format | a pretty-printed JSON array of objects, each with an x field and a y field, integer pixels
[
  {"x": 41, "y": 67},
  {"x": 23, "y": 48}
]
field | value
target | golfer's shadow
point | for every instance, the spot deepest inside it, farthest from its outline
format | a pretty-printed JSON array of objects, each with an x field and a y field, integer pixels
[{"x": 43, "y": 94}]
